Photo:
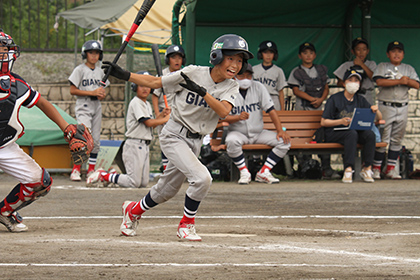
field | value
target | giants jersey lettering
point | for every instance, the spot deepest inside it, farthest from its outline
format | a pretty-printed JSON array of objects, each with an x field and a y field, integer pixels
[
  {"x": 273, "y": 78},
  {"x": 85, "y": 78},
  {"x": 190, "y": 109},
  {"x": 255, "y": 102}
]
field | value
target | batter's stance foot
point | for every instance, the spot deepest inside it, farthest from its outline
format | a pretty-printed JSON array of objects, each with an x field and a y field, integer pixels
[
  {"x": 129, "y": 223},
  {"x": 13, "y": 223},
  {"x": 186, "y": 232}
]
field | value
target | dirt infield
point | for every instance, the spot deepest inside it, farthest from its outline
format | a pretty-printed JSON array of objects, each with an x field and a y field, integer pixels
[{"x": 292, "y": 230}]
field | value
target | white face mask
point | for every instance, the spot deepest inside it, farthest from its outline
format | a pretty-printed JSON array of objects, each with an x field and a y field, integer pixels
[
  {"x": 352, "y": 87},
  {"x": 244, "y": 84}
]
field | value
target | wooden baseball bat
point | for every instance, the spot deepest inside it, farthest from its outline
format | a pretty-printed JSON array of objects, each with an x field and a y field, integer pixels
[
  {"x": 158, "y": 64},
  {"x": 144, "y": 9}
]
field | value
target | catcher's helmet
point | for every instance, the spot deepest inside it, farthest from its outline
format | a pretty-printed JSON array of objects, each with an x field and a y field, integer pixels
[
  {"x": 267, "y": 45},
  {"x": 92, "y": 45},
  {"x": 135, "y": 86},
  {"x": 230, "y": 44},
  {"x": 174, "y": 49},
  {"x": 13, "y": 52}
]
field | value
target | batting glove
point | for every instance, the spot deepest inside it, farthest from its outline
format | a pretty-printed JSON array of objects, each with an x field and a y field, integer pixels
[
  {"x": 190, "y": 85},
  {"x": 116, "y": 70}
]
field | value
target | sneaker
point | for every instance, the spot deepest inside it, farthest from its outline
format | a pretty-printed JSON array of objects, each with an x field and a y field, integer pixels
[
  {"x": 376, "y": 174},
  {"x": 330, "y": 174},
  {"x": 186, "y": 232},
  {"x": 75, "y": 175},
  {"x": 348, "y": 177},
  {"x": 393, "y": 174},
  {"x": 245, "y": 178},
  {"x": 366, "y": 175},
  {"x": 129, "y": 223},
  {"x": 266, "y": 177},
  {"x": 13, "y": 223},
  {"x": 107, "y": 183},
  {"x": 94, "y": 178}
]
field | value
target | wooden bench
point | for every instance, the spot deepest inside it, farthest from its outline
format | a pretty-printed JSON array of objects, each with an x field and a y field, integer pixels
[{"x": 301, "y": 126}]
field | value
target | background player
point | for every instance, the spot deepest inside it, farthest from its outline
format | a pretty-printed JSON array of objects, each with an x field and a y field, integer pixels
[
  {"x": 196, "y": 109},
  {"x": 360, "y": 50},
  {"x": 140, "y": 124},
  {"x": 34, "y": 180},
  {"x": 270, "y": 75},
  {"x": 394, "y": 79},
  {"x": 85, "y": 84},
  {"x": 246, "y": 127},
  {"x": 175, "y": 59}
]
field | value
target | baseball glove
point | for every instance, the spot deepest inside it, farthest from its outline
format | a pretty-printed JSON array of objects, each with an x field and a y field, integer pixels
[{"x": 80, "y": 142}]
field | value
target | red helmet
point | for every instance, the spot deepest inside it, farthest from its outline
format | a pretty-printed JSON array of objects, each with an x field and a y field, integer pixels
[{"x": 7, "y": 59}]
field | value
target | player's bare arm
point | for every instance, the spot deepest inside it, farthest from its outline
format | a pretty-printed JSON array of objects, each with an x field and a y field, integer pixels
[
  {"x": 161, "y": 118},
  {"x": 52, "y": 113},
  {"x": 302, "y": 94},
  {"x": 330, "y": 122},
  {"x": 318, "y": 101},
  {"x": 392, "y": 82},
  {"x": 99, "y": 92},
  {"x": 236, "y": 118},
  {"x": 361, "y": 63},
  {"x": 277, "y": 123},
  {"x": 281, "y": 99},
  {"x": 413, "y": 84}
]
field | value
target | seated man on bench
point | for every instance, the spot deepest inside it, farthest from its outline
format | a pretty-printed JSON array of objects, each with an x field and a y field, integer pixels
[
  {"x": 338, "y": 112},
  {"x": 246, "y": 127}
]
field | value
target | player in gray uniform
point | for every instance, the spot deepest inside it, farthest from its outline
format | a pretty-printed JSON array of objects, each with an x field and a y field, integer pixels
[
  {"x": 85, "y": 84},
  {"x": 140, "y": 124},
  {"x": 246, "y": 127},
  {"x": 360, "y": 50},
  {"x": 270, "y": 75},
  {"x": 196, "y": 109},
  {"x": 394, "y": 79},
  {"x": 175, "y": 59}
]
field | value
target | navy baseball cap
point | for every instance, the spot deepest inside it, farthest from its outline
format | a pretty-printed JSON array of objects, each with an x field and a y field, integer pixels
[
  {"x": 357, "y": 41},
  {"x": 306, "y": 46},
  {"x": 350, "y": 73},
  {"x": 395, "y": 45}
]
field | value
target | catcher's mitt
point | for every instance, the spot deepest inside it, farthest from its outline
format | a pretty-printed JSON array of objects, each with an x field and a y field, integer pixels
[{"x": 80, "y": 142}]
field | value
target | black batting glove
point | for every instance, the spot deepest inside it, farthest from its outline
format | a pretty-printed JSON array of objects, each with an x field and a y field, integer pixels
[
  {"x": 116, "y": 70},
  {"x": 190, "y": 85}
]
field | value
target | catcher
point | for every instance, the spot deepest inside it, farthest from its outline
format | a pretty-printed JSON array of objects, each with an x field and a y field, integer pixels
[{"x": 34, "y": 181}]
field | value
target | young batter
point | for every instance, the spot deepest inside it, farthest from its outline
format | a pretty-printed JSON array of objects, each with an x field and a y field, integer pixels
[
  {"x": 246, "y": 127},
  {"x": 140, "y": 124},
  {"x": 85, "y": 84},
  {"x": 196, "y": 109},
  {"x": 34, "y": 180}
]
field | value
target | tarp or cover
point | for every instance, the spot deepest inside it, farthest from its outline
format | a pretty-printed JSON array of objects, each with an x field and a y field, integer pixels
[
  {"x": 118, "y": 17},
  {"x": 291, "y": 23},
  {"x": 39, "y": 129}
]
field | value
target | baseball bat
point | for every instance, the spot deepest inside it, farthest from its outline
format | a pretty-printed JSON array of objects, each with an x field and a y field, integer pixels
[
  {"x": 156, "y": 58},
  {"x": 144, "y": 9}
]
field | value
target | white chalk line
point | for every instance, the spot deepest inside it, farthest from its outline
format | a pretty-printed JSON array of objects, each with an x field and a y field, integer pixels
[
  {"x": 284, "y": 248},
  {"x": 231, "y": 217},
  {"x": 352, "y": 232}
]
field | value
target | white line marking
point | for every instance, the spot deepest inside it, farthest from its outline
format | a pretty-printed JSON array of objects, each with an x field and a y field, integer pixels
[
  {"x": 227, "y": 235},
  {"x": 185, "y": 265},
  {"x": 350, "y": 232},
  {"x": 229, "y": 217},
  {"x": 283, "y": 248}
]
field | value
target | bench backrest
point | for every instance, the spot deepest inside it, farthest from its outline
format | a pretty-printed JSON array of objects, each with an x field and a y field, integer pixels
[{"x": 300, "y": 125}]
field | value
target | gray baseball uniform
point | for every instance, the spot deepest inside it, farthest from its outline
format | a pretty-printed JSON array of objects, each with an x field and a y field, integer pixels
[
  {"x": 367, "y": 83},
  {"x": 292, "y": 81},
  {"x": 136, "y": 147},
  {"x": 273, "y": 79},
  {"x": 181, "y": 138},
  {"x": 251, "y": 131},
  {"x": 169, "y": 97},
  {"x": 88, "y": 109},
  {"x": 393, "y": 103}
]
